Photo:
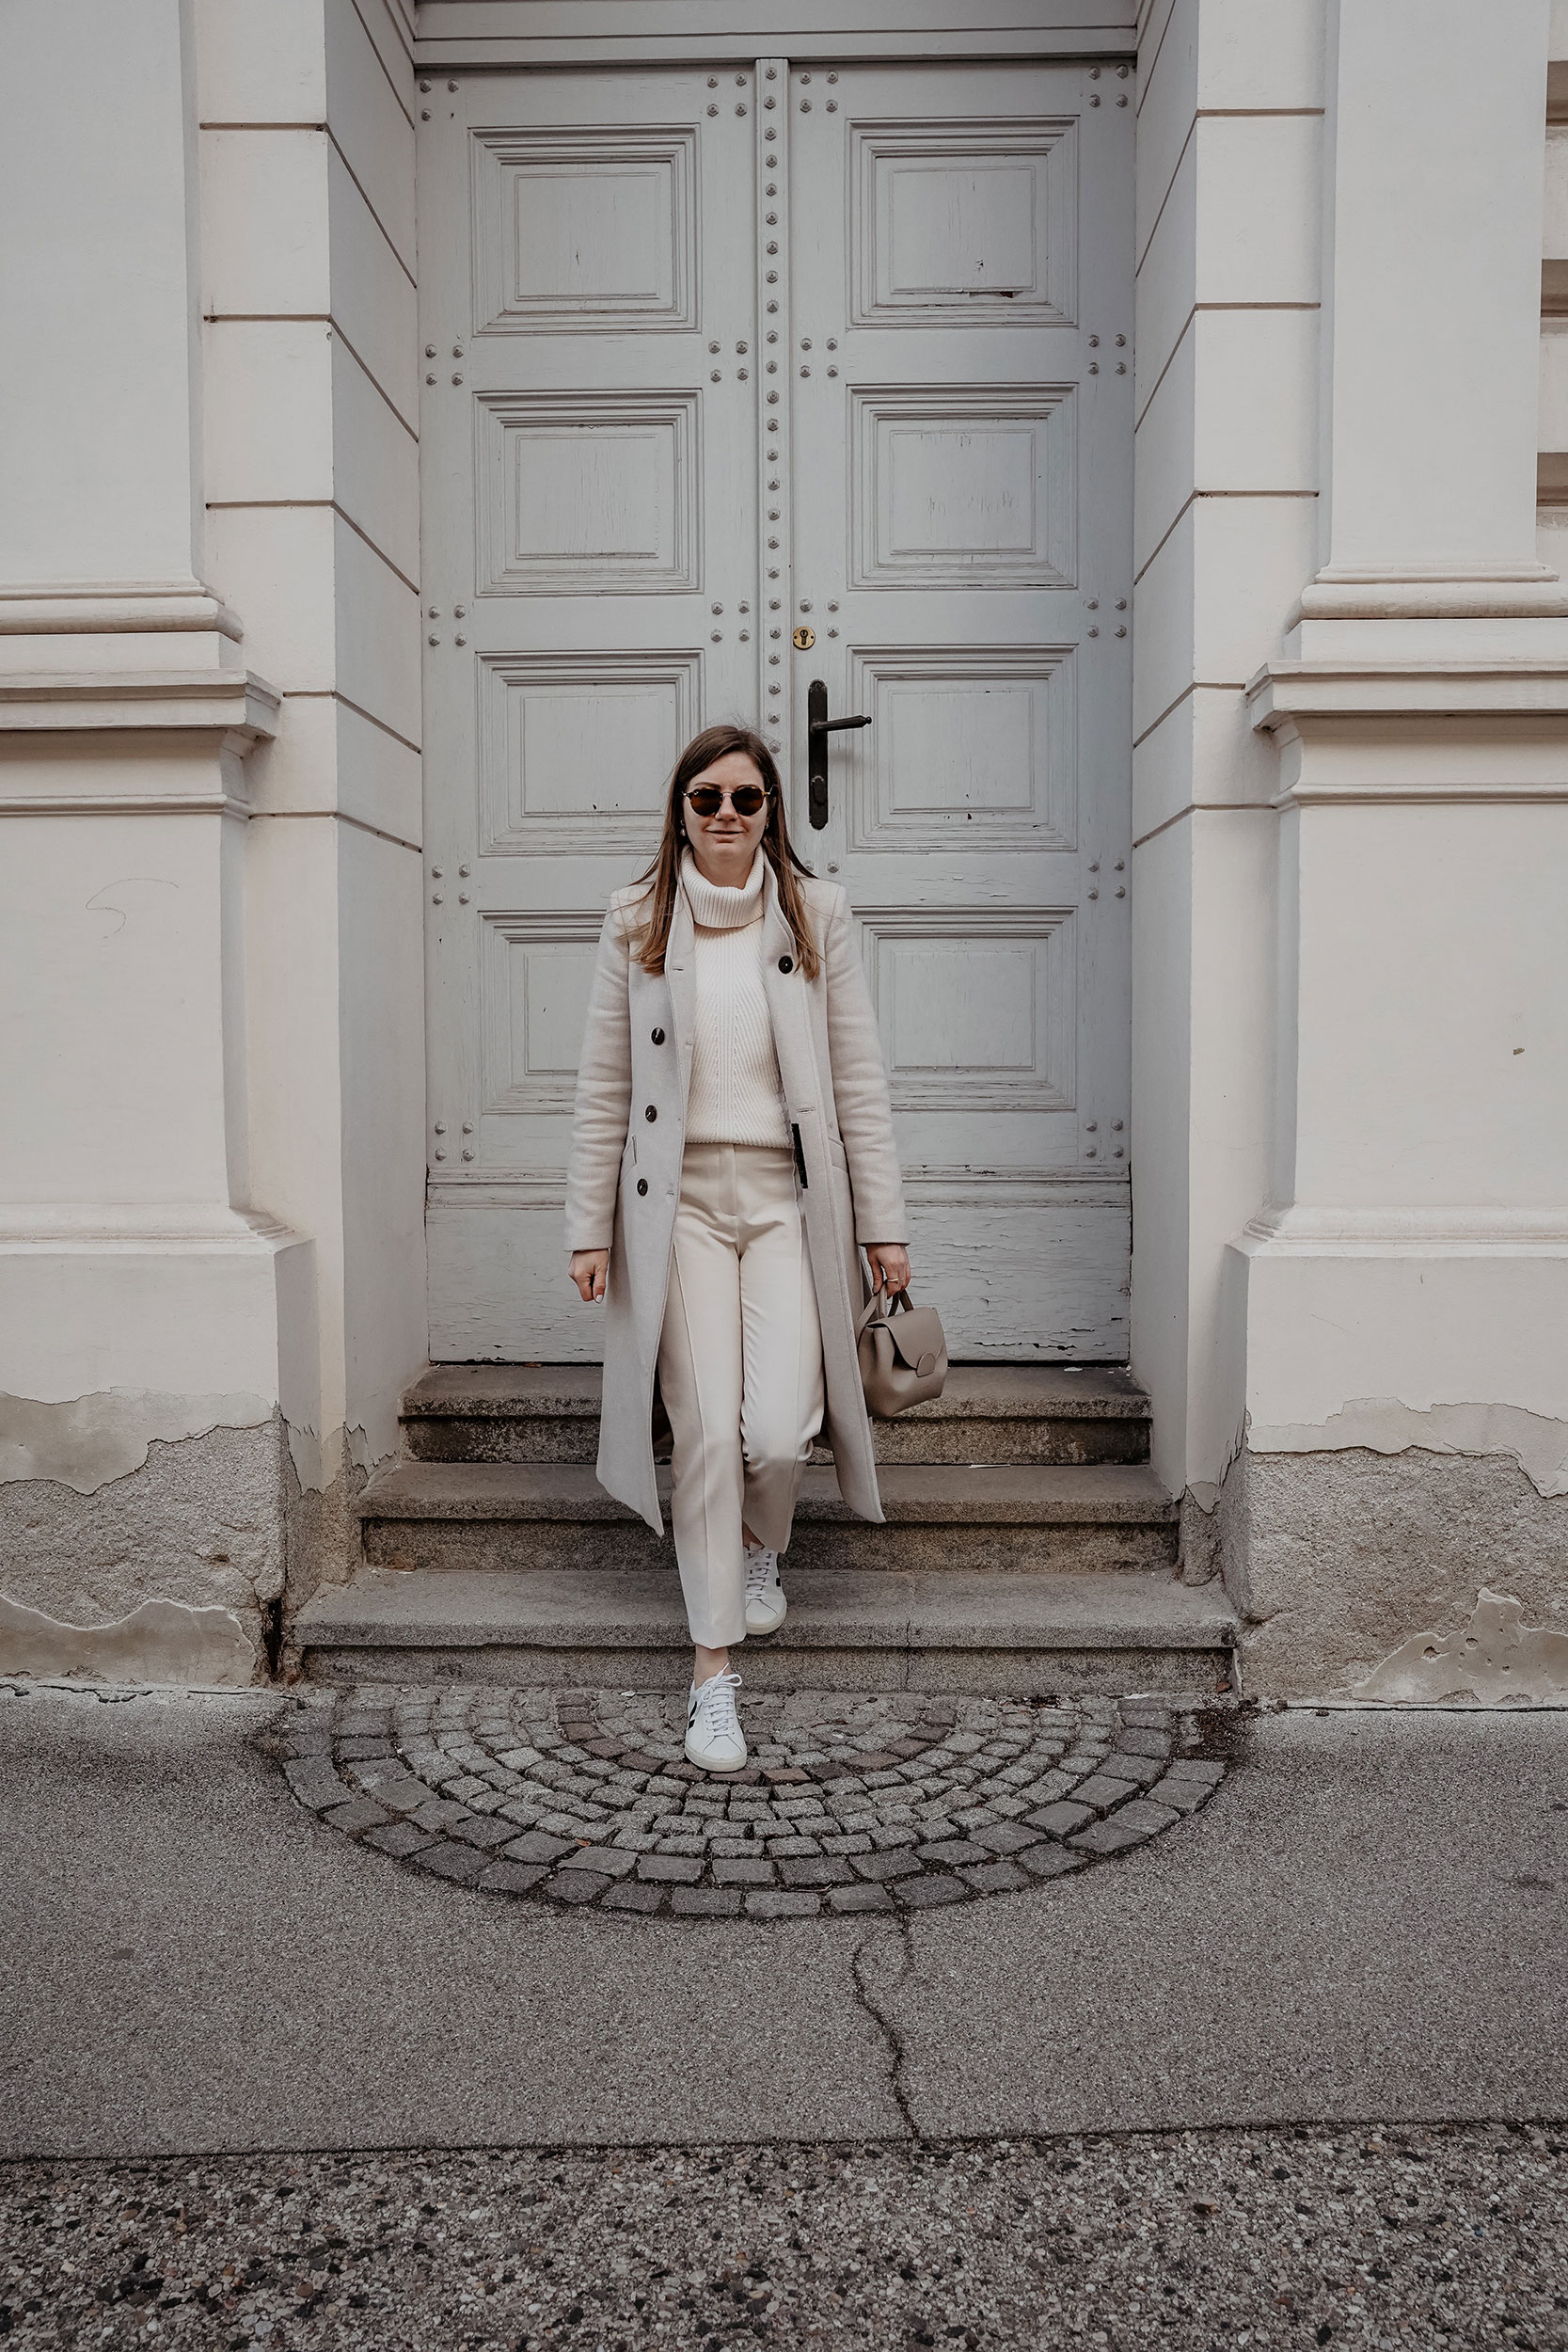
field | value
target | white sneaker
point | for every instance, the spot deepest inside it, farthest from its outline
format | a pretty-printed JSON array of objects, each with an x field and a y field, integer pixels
[
  {"x": 714, "y": 1739},
  {"x": 766, "y": 1605}
]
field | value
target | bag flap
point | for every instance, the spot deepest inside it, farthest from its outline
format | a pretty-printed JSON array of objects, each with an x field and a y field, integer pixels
[{"x": 916, "y": 1335}]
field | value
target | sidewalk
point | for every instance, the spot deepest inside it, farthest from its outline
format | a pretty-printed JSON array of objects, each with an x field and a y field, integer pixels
[{"x": 1366, "y": 1923}]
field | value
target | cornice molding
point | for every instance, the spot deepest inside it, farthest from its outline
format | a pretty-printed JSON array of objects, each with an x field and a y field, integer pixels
[
  {"x": 1432, "y": 592},
  {"x": 208, "y": 719},
  {"x": 112, "y": 609},
  {"x": 1301, "y": 1231},
  {"x": 1493, "y": 728}
]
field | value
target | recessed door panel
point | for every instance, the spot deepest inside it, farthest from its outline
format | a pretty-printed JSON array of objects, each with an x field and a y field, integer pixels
[{"x": 718, "y": 357}]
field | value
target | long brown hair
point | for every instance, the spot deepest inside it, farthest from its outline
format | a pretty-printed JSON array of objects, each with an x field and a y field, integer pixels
[{"x": 663, "y": 875}]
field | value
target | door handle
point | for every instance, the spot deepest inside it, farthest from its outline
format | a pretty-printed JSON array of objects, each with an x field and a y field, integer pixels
[{"x": 818, "y": 727}]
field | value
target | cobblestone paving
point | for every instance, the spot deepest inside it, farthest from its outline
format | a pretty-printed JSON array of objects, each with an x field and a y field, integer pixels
[
  {"x": 1353, "y": 2236},
  {"x": 848, "y": 1804}
]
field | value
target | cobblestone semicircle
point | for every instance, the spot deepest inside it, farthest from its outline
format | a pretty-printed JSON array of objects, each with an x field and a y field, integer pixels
[{"x": 848, "y": 1803}]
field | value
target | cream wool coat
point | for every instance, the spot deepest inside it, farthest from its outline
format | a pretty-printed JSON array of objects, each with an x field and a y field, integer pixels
[{"x": 629, "y": 1135}]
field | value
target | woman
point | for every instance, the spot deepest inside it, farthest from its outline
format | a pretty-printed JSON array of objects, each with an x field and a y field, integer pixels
[{"x": 732, "y": 1145}]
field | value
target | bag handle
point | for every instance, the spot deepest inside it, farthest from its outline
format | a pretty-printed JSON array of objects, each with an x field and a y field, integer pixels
[{"x": 882, "y": 1307}]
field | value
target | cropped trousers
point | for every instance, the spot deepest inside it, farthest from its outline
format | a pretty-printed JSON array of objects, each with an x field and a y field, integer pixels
[{"x": 739, "y": 1370}]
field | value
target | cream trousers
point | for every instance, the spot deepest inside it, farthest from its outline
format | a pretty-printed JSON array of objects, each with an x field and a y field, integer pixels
[{"x": 739, "y": 1369}]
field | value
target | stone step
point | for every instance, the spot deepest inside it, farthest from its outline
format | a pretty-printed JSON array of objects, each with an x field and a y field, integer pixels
[
  {"x": 956, "y": 1519},
  {"x": 1005, "y": 1635},
  {"x": 1045, "y": 1413}
]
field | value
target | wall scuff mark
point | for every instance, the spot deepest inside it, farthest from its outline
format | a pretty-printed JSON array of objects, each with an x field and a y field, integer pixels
[
  {"x": 161, "y": 1641},
  {"x": 1494, "y": 1657}
]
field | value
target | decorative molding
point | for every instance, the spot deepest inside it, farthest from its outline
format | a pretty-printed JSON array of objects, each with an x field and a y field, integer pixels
[
  {"x": 533, "y": 1189},
  {"x": 1439, "y": 592},
  {"x": 648, "y": 173},
  {"x": 1031, "y": 1036},
  {"x": 218, "y": 714},
  {"x": 661, "y": 694},
  {"x": 1033, "y": 277},
  {"x": 959, "y": 459},
  {"x": 112, "y": 607},
  {"x": 1035, "y": 685},
  {"x": 522, "y": 1013},
  {"x": 161, "y": 1225},
  {"x": 943, "y": 1186},
  {"x": 1298, "y": 1230},
  {"x": 1396, "y": 732},
  {"x": 631, "y": 527},
  {"x": 772, "y": 234},
  {"x": 455, "y": 34}
]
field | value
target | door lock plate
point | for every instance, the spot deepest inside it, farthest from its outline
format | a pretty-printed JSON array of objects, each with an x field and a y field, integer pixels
[{"x": 804, "y": 639}]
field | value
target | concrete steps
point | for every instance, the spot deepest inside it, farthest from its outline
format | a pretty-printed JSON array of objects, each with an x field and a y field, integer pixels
[
  {"x": 847, "y": 1630},
  {"x": 989, "y": 1413},
  {"x": 1028, "y": 1517},
  {"x": 1028, "y": 1547}
]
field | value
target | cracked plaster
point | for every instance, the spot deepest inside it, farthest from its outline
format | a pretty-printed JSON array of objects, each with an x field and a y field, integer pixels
[
  {"x": 85, "y": 1442},
  {"x": 202, "y": 1523},
  {"x": 160, "y": 1641},
  {"x": 1494, "y": 1658},
  {"x": 1386, "y": 1425},
  {"x": 1336, "y": 1560}
]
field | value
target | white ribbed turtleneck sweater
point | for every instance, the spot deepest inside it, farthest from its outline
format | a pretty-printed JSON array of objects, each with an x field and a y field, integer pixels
[{"x": 737, "y": 1095}]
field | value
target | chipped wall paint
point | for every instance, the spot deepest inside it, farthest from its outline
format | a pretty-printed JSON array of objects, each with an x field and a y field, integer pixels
[
  {"x": 161, "y": 1641},
  {"x": 319, "y": 1462},
  {"x": 1386, "y": 1425},
  {"x": 85, "y": 1441},
  {"x": 1338, "y": 1559},
  {"x": 1496, "y": 1657}
]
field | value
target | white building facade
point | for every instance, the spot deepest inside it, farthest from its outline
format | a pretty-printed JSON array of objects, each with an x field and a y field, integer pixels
[{"x": 1153, "y": 419}]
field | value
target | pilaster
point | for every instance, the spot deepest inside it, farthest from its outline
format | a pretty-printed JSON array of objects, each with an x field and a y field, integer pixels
[{"x": 1404, "y": 1290}]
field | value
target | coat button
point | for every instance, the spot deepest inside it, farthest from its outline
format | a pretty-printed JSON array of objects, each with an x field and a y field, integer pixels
[
  {"x": 642, "y": 1184},
  {"x": 658, "y": 1037},
  {"x": 786, "y": 964},
  {"x": 650, "y": 1114}
]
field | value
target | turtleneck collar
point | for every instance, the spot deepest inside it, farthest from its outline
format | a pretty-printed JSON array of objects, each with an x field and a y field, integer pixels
[{"x": 716, "y": 906}]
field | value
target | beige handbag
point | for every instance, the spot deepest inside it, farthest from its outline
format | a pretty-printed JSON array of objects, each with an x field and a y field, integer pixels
[{"x": 903, "y": 1360}]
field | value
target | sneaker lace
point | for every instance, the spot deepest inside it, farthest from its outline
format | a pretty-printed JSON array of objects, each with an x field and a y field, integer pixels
[
  {"x": 761, "y": 1567},
  {"x": 714, "y": 1704}
]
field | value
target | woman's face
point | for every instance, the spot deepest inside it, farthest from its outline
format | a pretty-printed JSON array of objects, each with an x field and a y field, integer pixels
[{"x": 726, "y": 838}]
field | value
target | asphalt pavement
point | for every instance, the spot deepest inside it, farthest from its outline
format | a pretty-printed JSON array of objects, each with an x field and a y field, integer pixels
[{"x": 1366, "y": 1925}]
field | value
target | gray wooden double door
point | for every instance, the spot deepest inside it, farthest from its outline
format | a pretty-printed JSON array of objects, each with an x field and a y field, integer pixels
[{"x": 736, "y": 379}]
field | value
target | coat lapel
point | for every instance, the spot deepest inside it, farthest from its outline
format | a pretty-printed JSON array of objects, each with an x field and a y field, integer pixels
[{"x": 680, "y": 970}]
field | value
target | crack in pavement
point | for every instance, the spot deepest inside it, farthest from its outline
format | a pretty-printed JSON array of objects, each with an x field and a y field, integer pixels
[{"x": 895, "y": 1932}]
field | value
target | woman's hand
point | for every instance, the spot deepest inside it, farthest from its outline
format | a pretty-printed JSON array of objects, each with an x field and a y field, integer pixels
[
  {"x": 590, "y": 1273},
  {"x": 890, "y": 1265}
]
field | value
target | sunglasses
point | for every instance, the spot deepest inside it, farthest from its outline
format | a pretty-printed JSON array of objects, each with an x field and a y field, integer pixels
[{"x": 708, "y": 799}]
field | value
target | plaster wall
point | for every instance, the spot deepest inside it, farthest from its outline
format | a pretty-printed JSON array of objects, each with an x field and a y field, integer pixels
[
  {"x": 311, "y": 459},
  {"x": 210, "y": 1184},
  {"x": 1229, "y": 128},
  {"x": 1349, "y": 1206}
]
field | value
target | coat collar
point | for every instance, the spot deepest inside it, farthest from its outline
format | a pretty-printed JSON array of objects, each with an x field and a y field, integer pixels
[{"x": 786, "y": 997}]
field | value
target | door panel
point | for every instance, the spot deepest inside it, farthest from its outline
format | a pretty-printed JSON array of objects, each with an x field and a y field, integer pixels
[
  {"x": 716, "y": 356},
  {"x": 961, "y": 454}
]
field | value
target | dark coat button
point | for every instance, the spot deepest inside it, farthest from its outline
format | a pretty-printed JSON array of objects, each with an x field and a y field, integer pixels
[
  {"x": 786, "y": 964},
  {"x": 642, "y": 1183},
  {"x": 650, "y": 1114},
  {"x": 658, "y": 1037}
]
